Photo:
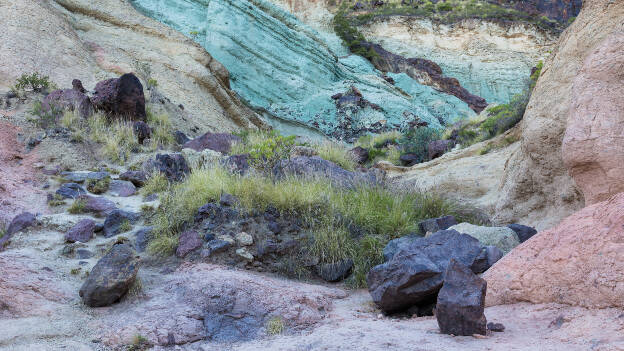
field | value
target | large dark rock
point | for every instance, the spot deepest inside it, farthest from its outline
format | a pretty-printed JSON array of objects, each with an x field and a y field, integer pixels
[
  {"x": 415, "y": 273},
  {"x": 461, "y": 302},
  {"x": 335, "y": 272},
  {"x": 410, "y": 159},
  {"x": 121, "y": 97},
  {"x": 221, "y": 142},
  {"x": 359, "y": 154},
  {"x": 67, "y": 99},
  {"x": 97, "y": 205},
  {"x": 189, "y": 241},
  {"x": 316, "y": 167},
  {"x": 70, "y": 191},
  {"x": 433, "y": 225},
  {"x": 524, "y": 232},
  {"x": 83, "y": 231},
  {"x": 122, "y": 188},
  {"x": 115, "y": 220},
  {"x": 19, "y": 223},
  {"x": 138, "y": 178},
  {"x": 172, "y": 166},
  {"x": 438, "y": 148},
  {"x": 111, "y": 278}
]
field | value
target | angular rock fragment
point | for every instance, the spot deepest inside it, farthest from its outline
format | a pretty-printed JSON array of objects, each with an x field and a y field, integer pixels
[{"x": 83, "y": 231}]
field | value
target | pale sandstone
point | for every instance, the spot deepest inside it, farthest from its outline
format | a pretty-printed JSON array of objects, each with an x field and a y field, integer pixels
[
  {"x": 91, "y": 41},
  {"x": 536, "y": 185},
  {"x": 593, "y": 145},
  {"x": 579, "y": 262}
]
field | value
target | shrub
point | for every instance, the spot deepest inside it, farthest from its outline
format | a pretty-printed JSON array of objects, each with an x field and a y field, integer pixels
[
  {"x": 265, "y": 149},
  {"x": 34, "y": 82},
  {"x": 444, "y": 6},
  {"x": 98, "y": 186},
  {"x": 120, "y": 141},
  {"x": 416, "y": 141},
  {"x": 152, "y": 83},
  {"x": 162, "y": 130},
  {"x": 139, "y": 343},
  {"x": 46, "y": 118},
  {"x": 125, "y": 226}
]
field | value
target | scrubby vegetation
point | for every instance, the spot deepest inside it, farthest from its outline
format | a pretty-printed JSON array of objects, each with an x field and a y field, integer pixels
[
  {"x": 98, "y": 186},
  {"x": 156, "y": 183},
  {"x": 162, "y": 130},
  {"x": 337, "y": 153},
  {"x": 34, "y": 82},
  {"x": 265, "y": 149},
  {"x": 78, "y": 206}
]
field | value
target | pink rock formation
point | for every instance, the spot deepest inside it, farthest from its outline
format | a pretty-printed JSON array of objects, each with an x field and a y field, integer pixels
[
  {"x": 593, "y": 145},
  {"x": 579, "y": 262}
]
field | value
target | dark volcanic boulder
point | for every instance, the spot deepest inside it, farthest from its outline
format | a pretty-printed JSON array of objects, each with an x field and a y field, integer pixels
[
  {"x": 189, "y": 241},
  {"x": 142, "y": 238},
  {"x": 114, "y": 222},
  {"x": 335, "y": 272},
  {"x": 142, "y": 131},
  {"x": 111, "y": 278},
  {"x": 415, "y": 273},
  {"x": 172, "y": 166},
  {"x": 68, "y": 99},
  {"x": 433, "y": 225},
  {"x": 138, "y": 178},
  {"x": 359, "y": 154},
  {"x": 524, "y": 232},
  {"x": 83, "y": 231},
  {"x": 100, "y": 206},
  {"x": 70, "y": 191},
  {"x": 221, "y": 142},
  {"x": 180, "y": 137},
  {"x": 121, "y": 96},
  {"x": 19, "y": 223},
  {"x": 438, "y": 148},
  {"x": 409, "y": 159},
  {"x": 316, "y": 167},
  {"x": 461, "y": 302}
]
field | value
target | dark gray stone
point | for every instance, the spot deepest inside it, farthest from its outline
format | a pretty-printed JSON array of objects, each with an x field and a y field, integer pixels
[
  {"x": 216, "y": 246},
  {"x": 227, "y": 200},
  {"x": 524, "y": 232},
  {"x": 238, "y": 164},
  {"x": 496, "y": 327},
  {"x": 221, "y": 142},
  {"x": 461, "y": 302},
  {"x": 113, "y": 222},
  {"x": 359, "y": 154},
  {"x": 274, "y": 227},
  {"x": 70, "y": 190},
  {"x": 316, "y": 167},
  {"x": 394, "y": 245},
  {"x": 142, "y": 131},
  {"x": 172, "y": 166},
  {"x": 138, "y": 178},
  {"x": 84, "y": 254},
  {"x": 122, "y": 188},
  {"x": 438, "y": 148},
  {"x": 83, "y": 231},
  {"x": 189, "y": 241},
  {"x": 230, "y": 319},
  {"x": 19, "y": 223},
  {"x": 433, "y": 225},
  {"x": 181, "y": 138},
  {"x": 409, "y": 159},
  {"x": 142, "y": 238},
  {"x": 415, "y": 273},
  {"x": 493, "y": 255},
  {"x": 111, "y": 278},
  {"x": 100, "y": 206},
  {"x": 335, "y": 272}
]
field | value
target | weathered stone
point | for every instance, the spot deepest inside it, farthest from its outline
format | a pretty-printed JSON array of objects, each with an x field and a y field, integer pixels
[
  {"x": 142, "y": 131},
  {"x": 70, "y": 190},
  {"x": 19, "y": 223},
  {"x": 502, "y": 237},
  {"x": 433, "y": 225},
  {"x": 115, "y": 221},
  {"x": 409, "y": 159},
  {"x": 496, "y": 327},
  {"x": 83, "y": 231},
  {"x": 111, "y": 278},
  {"x": 138, "y": 178},
  {"x": 415, "y": 273},
  {"x": 359, "y": 154},
  {"x": 67, "y": 99},
  {"x": 181, "y": 138},
  {"x": 227, "y": 200},
  {"x": 122, "y": 97},
  {"x": 237, "y": 163},
  {"x": 244, "y": 239},
  {"x": 524, "y": 232},
  {"x": 173, "y": 166},
  {"x": 122, "y": 188},
  {"x": 205, "y": 158},
  {"x": 461, "y": 302},
  {"x": 84, "y": 254},
  {"x": 220, "y": 142},
  {"x": 217, "y": 245},
  {"x": 316, "y": 167},
  {"x": 438, "y": 148},
  {"x": 494, "y": 254},
  {"x": 142, "y": 238},
  {"x": 189, "y": 241},
  {"x": 335, "y": 272},
  {"x": 98, "y": 205},
  {"x": 243, "y": 253}
]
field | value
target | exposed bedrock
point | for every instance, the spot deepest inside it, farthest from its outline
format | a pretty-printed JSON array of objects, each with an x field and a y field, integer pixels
[
  {"x": 560, "y": 10},
  {"x": 280, "y": 64}
]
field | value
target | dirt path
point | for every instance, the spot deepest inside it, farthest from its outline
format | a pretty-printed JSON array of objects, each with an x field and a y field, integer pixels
[{"x": 20, "y": 181}]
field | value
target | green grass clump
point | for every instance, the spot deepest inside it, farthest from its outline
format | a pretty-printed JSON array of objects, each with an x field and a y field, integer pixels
[
  {"x": 3, "y": 229},
  {"x": 275, "y": 325},
  {"x": 125, "y": 226},
  {"x": 78, "y": 206},
  {"x": 57, "y": 200},
  {"x": 35, "y": 82},
  {"x": 265, "y": 149},
  {"x": 337, "y": 154},
  {"x": 155, "y": 184},
  {"x": 139, "y": 343},
  {"x": 162, "y": 130},
  {"x": 98, "y": 186},
  {"x": 120, "y": 141}
]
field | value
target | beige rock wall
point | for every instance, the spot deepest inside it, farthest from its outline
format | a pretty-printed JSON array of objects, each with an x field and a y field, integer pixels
[
  {"x": 536, "y": 185},
  {"x": 94, "y": 40}
]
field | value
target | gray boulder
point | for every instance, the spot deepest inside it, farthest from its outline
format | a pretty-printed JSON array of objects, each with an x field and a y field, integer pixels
[
  {"x": 111, "y": 278},
  {"x": 335, "y": 272},
  {"x": 115, "y": 220},
  {"x": 461, "y": 302},
  {"x": 502, "y": 237},
  {"x": 415, "y": 273},
  {"x": 70, "y": 191},
  {"x": 524, "y": 232},
  {"x": 142, "y": 238},
  {"x": 433, "y": 225},
  {"x": 316, "y": 167},
  {"x": 122, "y": 188},
  {"x": 493, "y": 255}
]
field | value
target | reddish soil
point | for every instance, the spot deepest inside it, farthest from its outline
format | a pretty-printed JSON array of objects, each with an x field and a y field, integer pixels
[{"x": 20, "y": 181}]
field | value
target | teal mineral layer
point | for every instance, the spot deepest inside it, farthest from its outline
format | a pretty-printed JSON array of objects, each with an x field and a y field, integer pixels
[{"x": 282, "y": 65}]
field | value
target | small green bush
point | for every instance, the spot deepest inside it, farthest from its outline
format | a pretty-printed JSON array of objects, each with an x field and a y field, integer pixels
[
  {"x": 156, "y": 183},
  {"x": 444, "y": 6},
  {"x": 125, "y": 226},
  {"x": 100, "y": 186},
  {"x": 275, "y": 325},
  {"x": 45, "y": 117},
  {"x": 416, "y": 141},
  {"x": 34, "y": 82},
  {"x": 162, "y": 130},
  {"x": 265, "y": 149},
  {"x": 57, "y": 200}
]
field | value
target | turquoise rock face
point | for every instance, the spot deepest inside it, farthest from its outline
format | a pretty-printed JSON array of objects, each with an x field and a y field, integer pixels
[{"x": 285, "y": 67}]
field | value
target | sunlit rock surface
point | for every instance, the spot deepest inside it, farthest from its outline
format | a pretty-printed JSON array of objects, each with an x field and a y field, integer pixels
[{"x": 284, "y": 66}]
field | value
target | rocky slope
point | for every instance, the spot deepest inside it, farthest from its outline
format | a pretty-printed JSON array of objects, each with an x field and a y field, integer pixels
[
  {"x": 536, "y": 184},
  {"x": 75, "y": 39}
]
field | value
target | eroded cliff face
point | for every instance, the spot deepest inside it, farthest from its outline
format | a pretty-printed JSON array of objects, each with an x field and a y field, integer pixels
[
  {"x": 91, "y": 41},
  {"x": 491, "y": 60},
  {"x": 537, "y": 187},
  {"x": 292, "y": 70},
  {"x": 560, "y": 10}
]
